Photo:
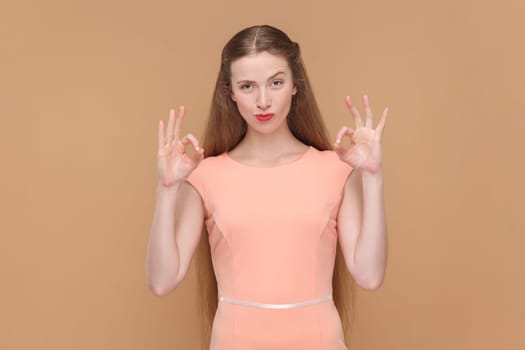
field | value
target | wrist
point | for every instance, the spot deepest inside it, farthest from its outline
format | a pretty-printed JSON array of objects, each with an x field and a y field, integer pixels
[
  {"x": 169, "y": 188},
  {"x": 372, "y": 177}
]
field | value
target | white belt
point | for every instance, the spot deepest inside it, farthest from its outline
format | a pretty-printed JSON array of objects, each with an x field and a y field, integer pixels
[{"x": 275, "y": 306}]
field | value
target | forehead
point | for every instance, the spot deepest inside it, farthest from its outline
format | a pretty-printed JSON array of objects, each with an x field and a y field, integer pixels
[{"x": 258, "y": 66}]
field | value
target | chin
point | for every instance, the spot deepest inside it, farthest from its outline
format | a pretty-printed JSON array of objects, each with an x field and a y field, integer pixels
[{"x": 268, "y": 127}]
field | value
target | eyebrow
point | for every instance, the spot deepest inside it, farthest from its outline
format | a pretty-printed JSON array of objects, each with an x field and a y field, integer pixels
[{"x": 251, "y": 81}]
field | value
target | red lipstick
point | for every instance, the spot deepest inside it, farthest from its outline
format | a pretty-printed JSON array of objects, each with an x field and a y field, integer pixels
[{"x": 264, "y": 117}]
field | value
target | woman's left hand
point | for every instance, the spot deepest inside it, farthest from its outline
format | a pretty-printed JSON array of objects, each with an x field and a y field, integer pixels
[{"x": 364, "y": 152}]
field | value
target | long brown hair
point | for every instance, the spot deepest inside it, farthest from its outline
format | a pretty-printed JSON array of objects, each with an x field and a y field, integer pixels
[{"x": 226, "y": 128}]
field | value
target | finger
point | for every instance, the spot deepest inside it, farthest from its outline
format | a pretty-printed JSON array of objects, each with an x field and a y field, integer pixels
[
  {"x": 339, "y": 149},
  {"x": 345, "y": 130},
  {"x": 178, "y": 122},
  {"x": 189, "y": 138},
  {"x": 340, "y": 134},
  {"x": 382, "y": 122},
  {"x": 169, "y": 129},
  {"x": 162, "y": 140},
  {"x": 355, "y": 112},
  {"x": 368, "y": 111},
  {"x": 198, "y": 156}
]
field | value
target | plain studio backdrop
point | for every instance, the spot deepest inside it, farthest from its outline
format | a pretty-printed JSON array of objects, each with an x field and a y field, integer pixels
[{"x": 84, "y": 84}]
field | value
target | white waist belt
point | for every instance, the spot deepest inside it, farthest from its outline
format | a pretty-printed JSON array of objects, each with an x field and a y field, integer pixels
[{"x": 275, "y": 306}]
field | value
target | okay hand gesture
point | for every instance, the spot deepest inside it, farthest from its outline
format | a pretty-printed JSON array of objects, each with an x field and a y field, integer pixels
[
  {"x": 364, "y": 152},
  {"x": 173, "y": 162}
]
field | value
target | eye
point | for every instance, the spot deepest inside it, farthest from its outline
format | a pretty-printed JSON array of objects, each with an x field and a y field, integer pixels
[
  {"x": 277, "y": 83},
  {"x": 246, "y": 86}
]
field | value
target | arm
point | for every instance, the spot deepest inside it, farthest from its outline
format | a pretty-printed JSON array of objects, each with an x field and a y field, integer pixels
[
  {"x": 362, "y": 228},
  {"x": 178, "y": 217},
  {"x": 174, "y": 235},
  {"x": 362, "y": 223}
]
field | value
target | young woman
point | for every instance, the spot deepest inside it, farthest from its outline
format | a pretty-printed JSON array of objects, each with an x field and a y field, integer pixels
[{"x": 274, "y": 197}]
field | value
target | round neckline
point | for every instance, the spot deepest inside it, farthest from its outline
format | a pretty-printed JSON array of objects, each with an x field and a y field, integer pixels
[{"x": 296, "y": 160}]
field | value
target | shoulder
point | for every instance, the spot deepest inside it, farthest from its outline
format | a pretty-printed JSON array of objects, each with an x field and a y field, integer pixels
[
  {"x": 206, "y": 167},
  {"x": 330, "y": 158},
  {"x": 330, "y": 171},
  {"x": 210, "y": 163},
  {"x": 328, "y": 163}
]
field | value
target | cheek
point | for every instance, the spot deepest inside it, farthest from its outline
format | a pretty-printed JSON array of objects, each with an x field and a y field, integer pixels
[
  {"x": 243, "y": 104},
  {"x": 244, "y": 100},
  {"x": 285, "y": 100}
]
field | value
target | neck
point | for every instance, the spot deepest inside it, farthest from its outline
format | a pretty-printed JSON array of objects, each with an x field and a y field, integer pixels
[{"x": 268, "y": 146}]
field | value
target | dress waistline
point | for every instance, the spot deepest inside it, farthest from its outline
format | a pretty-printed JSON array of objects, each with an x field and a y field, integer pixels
[{"x": 275, "y": 306}]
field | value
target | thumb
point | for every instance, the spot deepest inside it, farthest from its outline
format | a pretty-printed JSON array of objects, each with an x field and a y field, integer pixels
[{"x": 339, "y": 150}]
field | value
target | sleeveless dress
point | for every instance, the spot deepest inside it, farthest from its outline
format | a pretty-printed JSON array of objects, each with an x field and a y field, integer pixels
[{"x": 273, "y": 233}]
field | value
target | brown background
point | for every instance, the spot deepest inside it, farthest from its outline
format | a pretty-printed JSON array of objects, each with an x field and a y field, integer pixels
[{"x": 84, "y": 84}]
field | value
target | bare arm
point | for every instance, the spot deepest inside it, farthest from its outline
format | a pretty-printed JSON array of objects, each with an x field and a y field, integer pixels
[
  {"x": 179, "y": 210},
  {"x": 174, "y": 235},
  {"x": 362, "y": 229},
  {"x": 361, "y": 220}
]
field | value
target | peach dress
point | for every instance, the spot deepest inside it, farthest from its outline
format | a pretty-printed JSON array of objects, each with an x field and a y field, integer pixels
[{"x": 273, "y": 233}]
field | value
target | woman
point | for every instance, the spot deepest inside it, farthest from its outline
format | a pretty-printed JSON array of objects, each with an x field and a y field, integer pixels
[{"x": 274, "y": 198}]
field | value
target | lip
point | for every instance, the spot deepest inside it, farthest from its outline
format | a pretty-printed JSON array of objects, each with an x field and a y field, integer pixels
[{"x": 264, "y": 117}]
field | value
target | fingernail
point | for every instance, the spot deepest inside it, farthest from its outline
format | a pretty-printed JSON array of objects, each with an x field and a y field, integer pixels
[{"x": 366, "y": 99}]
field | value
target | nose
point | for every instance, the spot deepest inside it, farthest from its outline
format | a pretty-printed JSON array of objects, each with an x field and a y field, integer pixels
[{"x": 263, "y": 100}]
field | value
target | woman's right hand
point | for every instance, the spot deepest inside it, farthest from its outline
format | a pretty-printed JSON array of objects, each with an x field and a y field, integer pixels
[{"x": 173, "y": 162}]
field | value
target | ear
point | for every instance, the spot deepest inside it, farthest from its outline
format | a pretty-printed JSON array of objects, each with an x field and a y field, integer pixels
[
  {"x": 233, "y": 97},
  {"x": 294, "y": 90}
]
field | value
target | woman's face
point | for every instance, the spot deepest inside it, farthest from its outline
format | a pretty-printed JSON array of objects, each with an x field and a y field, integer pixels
[{"x": 262, "y": 86}]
